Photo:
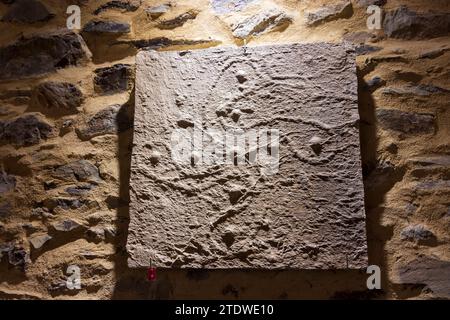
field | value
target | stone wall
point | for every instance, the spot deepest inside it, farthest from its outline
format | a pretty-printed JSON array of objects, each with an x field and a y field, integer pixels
[{"x": 66, "y": 119}]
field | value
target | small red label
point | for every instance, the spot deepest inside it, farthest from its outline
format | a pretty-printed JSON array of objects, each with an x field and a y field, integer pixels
[{"x": 151, "y": 274}]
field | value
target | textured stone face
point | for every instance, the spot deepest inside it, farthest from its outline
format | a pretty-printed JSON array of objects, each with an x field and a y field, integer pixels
[
  {"x": 227, "y": 6},
  {"x": 27, "y": 11},
  {"x": 405, "y": 122},
  {"x": 113, "y": 79},
  {"x": 57, "y": 98},
  {"x": 403, "y": 23},
  {"x": 107, "y": 121},
  {"x": 125, "y": 6},
  {"x": 178, "y": 21},
  {"x": 25, "y": 130},
  {"x": 271, "y": 19},
  {"x": 329, "y": 13},
  {"x": 306, "y": 213},
  {"x": 106, "y": 27},
  {"x": 432, "y": 272},
  {"x": 42, "y": 54}
]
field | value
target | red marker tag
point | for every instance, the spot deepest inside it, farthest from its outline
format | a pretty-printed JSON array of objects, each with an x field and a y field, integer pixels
[{"x": 151, "y": 274}]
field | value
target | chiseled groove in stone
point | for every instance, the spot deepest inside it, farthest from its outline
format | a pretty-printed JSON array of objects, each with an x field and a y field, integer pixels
[{"x": 310, "y": 215}]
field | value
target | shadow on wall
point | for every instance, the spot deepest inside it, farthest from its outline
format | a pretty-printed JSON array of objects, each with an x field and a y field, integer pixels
[
  {"x": 378, "y": 180},
  {"x": 260, "y": 284}
]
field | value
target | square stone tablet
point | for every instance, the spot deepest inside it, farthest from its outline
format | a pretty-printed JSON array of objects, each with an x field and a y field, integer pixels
[{"x": 247, "y": 158}]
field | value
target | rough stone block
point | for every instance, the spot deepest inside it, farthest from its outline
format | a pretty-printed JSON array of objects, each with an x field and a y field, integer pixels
[
  {"x": 403, "y": 23},
  {"x": 406, "y": 122},
  {"x": 25, "y": 130},
  {"x": 114, "y": 79},
  {"x": 291, "y": 199},
  {"x": 227, "y": 6},
  {"x": 178, "y": 21},
  {"x": 41, "y": 54},
  {"x": 110, "y": 120},
  {"x": 269, "y": 20},
  {"x": 97, "y": 26},
  {"x": 57, "y": 98},
  {"x": 27, "y": 11},
  {"x": 428, "y": 271},
  {"x": 125, "y": 6},
  {"x": 329, "y": 13}
]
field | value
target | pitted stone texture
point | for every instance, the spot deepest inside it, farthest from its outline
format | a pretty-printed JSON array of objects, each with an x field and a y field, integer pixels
[{"x": 309, "y": 215}]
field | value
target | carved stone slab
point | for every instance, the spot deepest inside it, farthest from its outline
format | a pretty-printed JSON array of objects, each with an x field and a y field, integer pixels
[{"x": 247, "y": 158}]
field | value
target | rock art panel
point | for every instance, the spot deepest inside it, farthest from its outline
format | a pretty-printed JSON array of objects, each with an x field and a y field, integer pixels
[{"x": 247, "y": 158}]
